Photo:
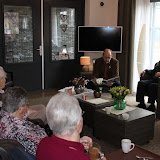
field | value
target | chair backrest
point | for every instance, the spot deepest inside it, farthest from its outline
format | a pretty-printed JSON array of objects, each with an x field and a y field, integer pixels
[{"x": 12, "y": 150}]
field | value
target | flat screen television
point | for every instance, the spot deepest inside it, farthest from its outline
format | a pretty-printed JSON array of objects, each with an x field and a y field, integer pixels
[{"x": 97, "y": 39}]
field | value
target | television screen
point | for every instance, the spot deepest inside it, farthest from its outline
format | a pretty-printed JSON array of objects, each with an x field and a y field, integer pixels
[{"x": 97, "y": 39}]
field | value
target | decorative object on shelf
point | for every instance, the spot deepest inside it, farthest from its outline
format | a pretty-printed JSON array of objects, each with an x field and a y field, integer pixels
[
  {"x": 63, "y": 16},
  {"x": 119, "y": 93},
  {"x": 63, "y": 20},
  {"x": 64, "y": 54},
  {"x": 63, "y": 27},
  {"x": 85, "y": 61},
  {"x": 79, "y": 84}
]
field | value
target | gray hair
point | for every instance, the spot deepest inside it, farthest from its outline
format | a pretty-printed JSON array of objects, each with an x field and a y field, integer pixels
[
  {"x": 13, "y": 98},
  {"x": 63, "y": 113},
  {"x": 2, "y": 73}
]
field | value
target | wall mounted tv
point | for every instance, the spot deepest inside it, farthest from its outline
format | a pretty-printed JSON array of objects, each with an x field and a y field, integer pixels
[{"x": 96, "y": 39}]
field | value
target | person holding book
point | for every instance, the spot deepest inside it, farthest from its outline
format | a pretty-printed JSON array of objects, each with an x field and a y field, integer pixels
[{"x": 107, "y": 67}]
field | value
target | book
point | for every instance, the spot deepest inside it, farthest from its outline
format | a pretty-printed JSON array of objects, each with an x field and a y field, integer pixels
[{"x": 115, "y": 79}]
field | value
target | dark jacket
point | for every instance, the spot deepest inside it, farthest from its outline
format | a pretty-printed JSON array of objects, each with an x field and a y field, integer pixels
[
  {"x": 99, "y": 68},
  {"x": 151, "y": 73}
]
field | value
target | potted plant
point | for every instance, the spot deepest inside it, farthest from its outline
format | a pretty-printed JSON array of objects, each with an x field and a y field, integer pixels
[
  {"x": 119, "y": 93},
  {"x": 79, "y": 84}
]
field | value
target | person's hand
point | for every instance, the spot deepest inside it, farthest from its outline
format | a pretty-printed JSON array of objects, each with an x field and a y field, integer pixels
[
  {"x": 29, "y": 111},
  {"x": 142, "y": 73},
  {"x": 86, "y": 141},
  {"x": 157, "y": 74},
  {"x": 109, "y": 84}
]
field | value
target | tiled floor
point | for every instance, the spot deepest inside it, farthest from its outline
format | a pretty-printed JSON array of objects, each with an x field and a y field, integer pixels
[
  {"x": 41, "y": 97},
  {"x": 42, "y": 94}
]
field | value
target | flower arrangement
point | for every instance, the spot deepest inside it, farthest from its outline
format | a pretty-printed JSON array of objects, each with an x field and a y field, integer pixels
[
  {"x": 79, "y": 82},
  {"x": 119, "y": 92}
]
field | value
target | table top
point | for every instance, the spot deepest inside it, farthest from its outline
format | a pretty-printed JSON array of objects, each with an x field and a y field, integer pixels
[
  {"x": 104, "y": 97},
  {"x": 137, "y": 151},
  {"x": 133, "y": 115}
]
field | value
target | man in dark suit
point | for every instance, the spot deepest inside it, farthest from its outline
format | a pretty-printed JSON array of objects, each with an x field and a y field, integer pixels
[
  {"x": 106, "y": 67},
  {"x": 149, "y": 86}
]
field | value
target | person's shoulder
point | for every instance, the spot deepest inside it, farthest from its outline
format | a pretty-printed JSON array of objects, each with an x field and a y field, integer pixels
[
  {"x": 45, "y": 140},
  {"x": 114, "y": 60},
  {"x": 99, "y": 59}
]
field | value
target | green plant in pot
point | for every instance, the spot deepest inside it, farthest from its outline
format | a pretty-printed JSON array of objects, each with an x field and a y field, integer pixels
[{"x": 119, "y": 93}]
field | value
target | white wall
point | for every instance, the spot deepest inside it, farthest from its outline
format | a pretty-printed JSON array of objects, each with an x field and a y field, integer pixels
[{"x": 96, "y": 15}]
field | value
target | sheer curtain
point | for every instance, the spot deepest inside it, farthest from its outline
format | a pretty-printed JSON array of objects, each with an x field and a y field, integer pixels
[{"x": 140, "y": 51}]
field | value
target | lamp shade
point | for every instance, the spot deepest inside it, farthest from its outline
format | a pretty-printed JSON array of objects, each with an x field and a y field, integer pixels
[{"x": 85, "y": 60}]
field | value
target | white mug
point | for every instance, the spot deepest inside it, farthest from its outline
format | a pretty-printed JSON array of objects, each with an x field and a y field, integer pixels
[
  {"x": 127, "y": 146},
  {"x": 108, "y": 110}
]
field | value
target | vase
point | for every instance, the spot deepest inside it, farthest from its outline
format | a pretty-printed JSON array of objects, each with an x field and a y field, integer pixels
[
  {"x": 97, "y": 94},
  {"x": 79, "y": 89},
  {"x": 119, "y": 104}
]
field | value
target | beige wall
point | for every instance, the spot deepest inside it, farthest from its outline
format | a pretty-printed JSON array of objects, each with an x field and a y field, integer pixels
[{"x": 96, "y": 15}]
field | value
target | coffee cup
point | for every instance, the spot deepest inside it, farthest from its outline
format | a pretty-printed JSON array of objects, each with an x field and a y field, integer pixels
[
  {"x": 108, "y": 110},
  {"x": 94, "y": 151},
  {"x": 127, "y": 145}
]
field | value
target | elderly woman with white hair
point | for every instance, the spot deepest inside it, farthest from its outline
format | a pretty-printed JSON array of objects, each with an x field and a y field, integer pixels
[
  {"x": 2, "y": 83},
  {"x": 64, "y": 117}
]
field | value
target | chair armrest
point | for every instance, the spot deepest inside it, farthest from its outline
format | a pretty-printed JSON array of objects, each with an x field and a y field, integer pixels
[{"x": 42, "y": 125}]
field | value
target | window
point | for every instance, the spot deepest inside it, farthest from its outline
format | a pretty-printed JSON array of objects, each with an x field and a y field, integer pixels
[{"x": 154, "y": 33}]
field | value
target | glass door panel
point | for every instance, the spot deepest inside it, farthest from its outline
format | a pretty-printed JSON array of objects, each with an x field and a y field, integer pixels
[
  {"x": 63, "y": 33},
  {"x": 18, "y": 34}
]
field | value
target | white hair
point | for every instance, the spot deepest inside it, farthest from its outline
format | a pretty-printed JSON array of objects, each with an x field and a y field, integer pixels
[
  {"x": 2, "y": 73},
  {"x": 63, "y": 113}
]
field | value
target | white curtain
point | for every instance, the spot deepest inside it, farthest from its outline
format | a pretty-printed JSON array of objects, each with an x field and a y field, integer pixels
[{"x": 140, "y": 50}]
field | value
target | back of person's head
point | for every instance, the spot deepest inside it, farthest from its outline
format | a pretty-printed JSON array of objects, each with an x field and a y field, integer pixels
[
  {"x": 63, "y": 113},
  {"x": 2, "y": 73},
  {"x": 13, "y": 98}
]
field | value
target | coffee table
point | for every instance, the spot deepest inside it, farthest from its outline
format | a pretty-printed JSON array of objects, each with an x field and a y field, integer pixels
[
  {"x": 112, "y": 128},
  {"x": 90, "y": 108},
  {"x": 119, "y": 155}
]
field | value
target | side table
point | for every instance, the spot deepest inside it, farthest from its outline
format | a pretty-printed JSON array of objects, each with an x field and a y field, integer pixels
[{"x": 113, "y": 128}]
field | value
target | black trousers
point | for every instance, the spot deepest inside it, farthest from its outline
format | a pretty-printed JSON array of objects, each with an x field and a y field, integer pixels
[{"x": 148, "y": 88}]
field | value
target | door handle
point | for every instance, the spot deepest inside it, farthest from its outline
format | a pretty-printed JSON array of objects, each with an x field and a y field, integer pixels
[{"x": 40, "y": 50}]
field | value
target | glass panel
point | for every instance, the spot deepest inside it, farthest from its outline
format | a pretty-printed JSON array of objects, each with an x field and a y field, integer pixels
[
  {"x": 63, "y": 33},
  {"x": 18, "y": 34}
]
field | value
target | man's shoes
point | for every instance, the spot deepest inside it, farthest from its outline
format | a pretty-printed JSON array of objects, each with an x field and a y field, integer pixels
[
  {"x": 141, "y": 105},
  {"x": 151, "y": 108}
]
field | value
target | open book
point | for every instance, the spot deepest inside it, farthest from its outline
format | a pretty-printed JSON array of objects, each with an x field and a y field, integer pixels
[{"x": 115, "y": 79}]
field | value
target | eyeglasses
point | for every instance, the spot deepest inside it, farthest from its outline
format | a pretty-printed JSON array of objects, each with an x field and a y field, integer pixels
[{"x": 83, "y": 112}]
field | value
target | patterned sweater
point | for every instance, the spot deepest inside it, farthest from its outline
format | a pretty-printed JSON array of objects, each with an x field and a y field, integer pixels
[{"x": 25, "y": 132}]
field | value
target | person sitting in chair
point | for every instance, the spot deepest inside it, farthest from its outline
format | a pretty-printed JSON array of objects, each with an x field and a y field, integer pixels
[
  {"x": 149, "y": 86},
  {"x": 107, "y": 67},
  {"x": 13, "y": 123},
  {"x": 34, "y": 112},
  {"x": 64, "y": 117}
]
